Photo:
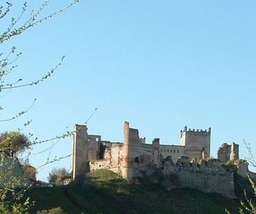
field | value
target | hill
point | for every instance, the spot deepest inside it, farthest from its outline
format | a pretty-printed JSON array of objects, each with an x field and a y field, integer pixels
[{"x": 106, "y": 192}]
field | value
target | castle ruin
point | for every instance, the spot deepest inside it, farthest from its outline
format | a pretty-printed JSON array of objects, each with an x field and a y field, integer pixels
[
  {"x": 128, "y": 158},
  {"x": 228, "y": 152}
]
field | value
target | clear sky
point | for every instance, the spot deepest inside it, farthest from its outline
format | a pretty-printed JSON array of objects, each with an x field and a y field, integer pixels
[{"x": 161, "y": 65}]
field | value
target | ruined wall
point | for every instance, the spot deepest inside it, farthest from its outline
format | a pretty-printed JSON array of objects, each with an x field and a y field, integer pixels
[
  {"x": 207, "y": 180},
  {"x": 209, "y": 176},
  {"x": 234, "y": 154},
  {"x": 228, "y": 152},
  {"x": 172, "y": 150},
  {"x": 99, "y": 164},
  {"x": 196, "y": 142},
  {"x": 242, "y": 167},
  {"x": 136, "y": 153},
  {"x": 93, "y": 147},
  {"x": 223, "y": 153},
  {"x": 112, "y": 158},
  {"x": 79, "y": 151}
]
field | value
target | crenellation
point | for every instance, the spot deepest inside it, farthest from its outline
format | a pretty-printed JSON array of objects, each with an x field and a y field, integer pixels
[{"x": 190, "y": 161}]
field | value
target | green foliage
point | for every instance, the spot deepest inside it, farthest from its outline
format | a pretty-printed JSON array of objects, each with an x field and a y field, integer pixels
[
  {"x": 57, "y": 210},
  {"x": 229, "y": 165},
  {"x": 106, "y": 192},
  {"x": 248, "y": 203},
  {"x": 13, "y": 185},
  {"x": 14, "y": 141},
  {"x": 14, "y": 23},
  {"x": 57, "y": 175},
  {"x": 29, "y": 171},
  {"x": 13, "y": 201}
]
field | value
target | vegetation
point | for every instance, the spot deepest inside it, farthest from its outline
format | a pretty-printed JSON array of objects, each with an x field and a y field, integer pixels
[
  {"x": 103, "y": 191},
  {"x": 29, "y": 171},
  {"x": 249, "y": 205},
  {"x": 57, "y": 210},
  {"x": 14, "y": 141},
  {"x": 57, "y": 175},
  {"x": 245, "y": 188},
  {"x": 15, "y": 22},
  {"x": 106, "y": 192}
]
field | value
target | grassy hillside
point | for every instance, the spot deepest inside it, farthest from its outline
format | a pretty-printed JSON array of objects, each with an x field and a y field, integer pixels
[{"x": 105, "y": 192}]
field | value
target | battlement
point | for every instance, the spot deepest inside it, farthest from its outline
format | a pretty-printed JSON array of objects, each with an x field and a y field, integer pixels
[
  {"x": 195, "y": 131},
  {"x": 134, "y": 154},
  {"x": 207, "y": 179},
  {"x": 196, "y": 142}
]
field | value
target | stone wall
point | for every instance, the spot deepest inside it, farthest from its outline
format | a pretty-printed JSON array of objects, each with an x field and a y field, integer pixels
[
  {"x": 242, "y": 167},
  {"x": 196, "y": 142},
  {"x": 209, "y": 176},
  {"x": 79, "y": 151},
  {"x": 228, "y": 152},
  {"x": 172, "y": 150},
  {"x": 133, "y": 155},
  {"x": 93, "y": 147},
  {"x": 99, "y": 164},
  {"x": 207, "y": 180}
]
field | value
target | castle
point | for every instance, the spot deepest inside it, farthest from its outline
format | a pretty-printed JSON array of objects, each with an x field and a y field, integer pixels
[{"x": 129, "y": 158}]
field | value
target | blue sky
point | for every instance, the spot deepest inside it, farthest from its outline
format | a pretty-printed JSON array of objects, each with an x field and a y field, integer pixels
[{"x": 161, "y": 65}]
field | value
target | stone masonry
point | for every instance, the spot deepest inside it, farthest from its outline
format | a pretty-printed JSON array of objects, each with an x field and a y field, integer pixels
[
  {"x": 133, "y": 154},
  {"x": 228, "y": 152}
]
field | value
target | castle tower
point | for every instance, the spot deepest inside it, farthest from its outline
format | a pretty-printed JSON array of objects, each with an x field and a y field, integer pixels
[
  {"x": 196, "y": 143},
  {"x": 130, "y": 150},
  {"x": 156, "y": 153},
  {"x": 79, "y": 151},
  {"x": 125, "y": 158},
  {"x": 234, "y": 151}
]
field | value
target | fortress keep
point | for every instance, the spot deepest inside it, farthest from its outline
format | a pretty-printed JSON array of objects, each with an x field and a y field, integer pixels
[{"x": 188, "y": 160}]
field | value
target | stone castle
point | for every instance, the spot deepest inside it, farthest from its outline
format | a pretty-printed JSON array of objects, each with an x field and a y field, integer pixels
[{"x": 190, "y": 161}]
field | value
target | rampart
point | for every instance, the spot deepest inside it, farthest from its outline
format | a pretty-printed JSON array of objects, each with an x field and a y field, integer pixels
[
  {"x": 134, "y": 155},
  {"x": 207, "y": 180}
]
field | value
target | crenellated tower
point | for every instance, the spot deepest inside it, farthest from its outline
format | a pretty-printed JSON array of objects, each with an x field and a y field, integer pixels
[{"x": 196, "y": 143}]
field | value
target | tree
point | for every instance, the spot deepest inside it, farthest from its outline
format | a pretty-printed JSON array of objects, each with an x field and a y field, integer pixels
[
  {"x": 29, "y": 171},
  {"x": 14, "y": 24},
  {"x": 57, "y": 175},
  {"x": 249, "y": 206},
  {"x": 14, "y": 142}
]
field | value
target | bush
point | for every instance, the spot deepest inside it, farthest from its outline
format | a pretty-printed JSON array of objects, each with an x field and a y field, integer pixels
[{"x": 57, "y": 210}]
